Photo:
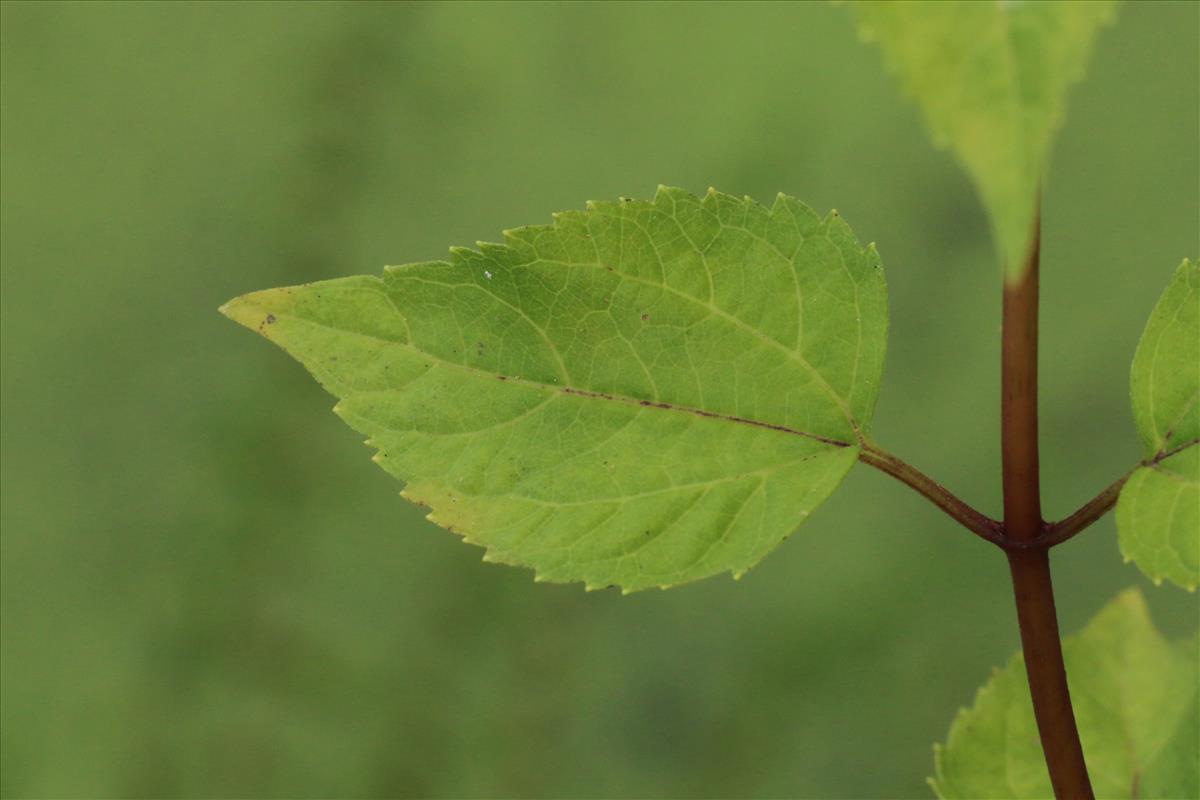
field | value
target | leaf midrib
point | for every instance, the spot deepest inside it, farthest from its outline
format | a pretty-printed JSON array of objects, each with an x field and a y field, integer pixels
[{"x": 567, "y": 390}]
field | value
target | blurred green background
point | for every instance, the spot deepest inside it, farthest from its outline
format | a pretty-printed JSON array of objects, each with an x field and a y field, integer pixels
[{"x": 209, "y": 590}]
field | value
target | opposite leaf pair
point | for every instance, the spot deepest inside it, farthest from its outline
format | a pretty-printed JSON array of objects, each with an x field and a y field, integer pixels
[{"x": 647, "y": 393}]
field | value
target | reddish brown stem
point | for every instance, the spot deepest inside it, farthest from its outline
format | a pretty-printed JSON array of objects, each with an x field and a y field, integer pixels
[{"x": 1023, "y": 523}]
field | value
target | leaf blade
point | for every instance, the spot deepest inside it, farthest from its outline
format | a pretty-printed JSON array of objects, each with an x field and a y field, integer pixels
[{"x": 640, "y": 394}]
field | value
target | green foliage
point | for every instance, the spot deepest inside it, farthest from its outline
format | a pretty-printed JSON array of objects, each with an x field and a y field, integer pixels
[
  {"x": 209, "y": 592},
  {"x": 641, "y": 394},
  {"x": 1158, "y": 514},
  {"x": 1135, "y": 699},
  {"x": 991, "y": 79}
]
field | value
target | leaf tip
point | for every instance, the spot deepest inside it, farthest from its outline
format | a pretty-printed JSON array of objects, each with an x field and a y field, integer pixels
[{"x": 255, "y": 310}]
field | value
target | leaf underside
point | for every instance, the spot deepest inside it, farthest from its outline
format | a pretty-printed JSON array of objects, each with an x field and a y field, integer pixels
[
  {"x": 641, "y": 394},
  {"x": 1135, "y": 700},
  {"x": 1158, "y": 512},
  {"x": 991, "y": 79}
]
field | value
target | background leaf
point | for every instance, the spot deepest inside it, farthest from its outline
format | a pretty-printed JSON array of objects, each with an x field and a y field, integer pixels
[
  {"x": 1158, "y": 512},
  {"x": 992, "y": 80},
  {"x": 1135, "y": 699},
  {"x": 641, "y": 394}
]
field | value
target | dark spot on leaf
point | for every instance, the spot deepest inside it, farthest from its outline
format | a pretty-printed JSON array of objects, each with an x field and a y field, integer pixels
[
  {"x": 502, "y": 377},
  {"x": 645, "y": 317},
  {"x": 270, "y": 319}
]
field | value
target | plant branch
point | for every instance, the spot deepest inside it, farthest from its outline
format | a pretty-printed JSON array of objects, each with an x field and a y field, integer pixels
[
  {"x": 1082, "y": 519},
  {"x": 1054, "y": 533},
  {"x": 1030, "y": 567},
  {"x": 981, "y": 525}
]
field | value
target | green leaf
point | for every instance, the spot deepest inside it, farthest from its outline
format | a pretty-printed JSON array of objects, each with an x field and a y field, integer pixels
[
  {"x": 641, "y": 394},
  {"x": 1136, "y": 704},
  {"x": 1158, "y": 512},
  {"x": 991, "y": 79}
]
